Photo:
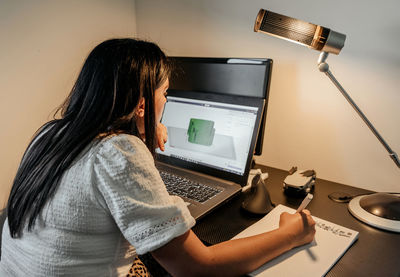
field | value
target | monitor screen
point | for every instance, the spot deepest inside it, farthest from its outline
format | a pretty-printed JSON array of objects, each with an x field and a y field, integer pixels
[{"x": 209, "y": 133}]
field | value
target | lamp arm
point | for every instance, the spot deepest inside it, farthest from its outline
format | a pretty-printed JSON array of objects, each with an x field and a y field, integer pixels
[{"x": 324, "y": 67}]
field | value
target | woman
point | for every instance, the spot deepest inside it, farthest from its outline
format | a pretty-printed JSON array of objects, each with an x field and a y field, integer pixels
[{"x": 87, "y": 197}]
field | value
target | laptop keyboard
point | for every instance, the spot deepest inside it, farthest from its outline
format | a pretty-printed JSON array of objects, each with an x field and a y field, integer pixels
[{"x": 180, "y": 186}]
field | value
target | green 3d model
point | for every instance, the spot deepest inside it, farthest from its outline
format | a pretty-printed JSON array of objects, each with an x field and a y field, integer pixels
[{"x": 201, "y": 131}]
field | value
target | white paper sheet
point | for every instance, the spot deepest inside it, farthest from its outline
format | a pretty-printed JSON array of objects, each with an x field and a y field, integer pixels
[{"x": 314, "y": 259}]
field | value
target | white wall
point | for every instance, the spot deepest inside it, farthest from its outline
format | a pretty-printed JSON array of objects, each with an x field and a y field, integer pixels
[
  {"x": 43, "y": 46},
  {"x": 309, "y": 123}
]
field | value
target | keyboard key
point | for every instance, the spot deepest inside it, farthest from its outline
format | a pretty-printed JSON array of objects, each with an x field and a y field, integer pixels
[{"x": 180, "y": 186}]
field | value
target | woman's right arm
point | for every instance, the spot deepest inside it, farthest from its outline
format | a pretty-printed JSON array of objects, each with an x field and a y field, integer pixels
[{"x": 186, "y": 255}]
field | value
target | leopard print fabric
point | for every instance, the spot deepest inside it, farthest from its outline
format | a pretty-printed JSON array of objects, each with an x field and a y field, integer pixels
[{"x": 138, "y": 269}]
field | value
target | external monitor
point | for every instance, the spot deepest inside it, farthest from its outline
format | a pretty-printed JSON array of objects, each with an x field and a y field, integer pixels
[{"x": 249, "y": 77}]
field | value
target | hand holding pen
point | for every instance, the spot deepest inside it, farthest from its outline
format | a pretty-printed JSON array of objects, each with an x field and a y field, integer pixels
[{"x": 300, "y": 226}]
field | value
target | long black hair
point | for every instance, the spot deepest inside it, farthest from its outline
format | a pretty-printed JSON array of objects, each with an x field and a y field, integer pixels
[{"x": 115, "y": 75}]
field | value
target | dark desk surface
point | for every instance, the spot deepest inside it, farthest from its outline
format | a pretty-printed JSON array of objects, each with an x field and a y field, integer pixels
[{"x": 375, "y": 253}]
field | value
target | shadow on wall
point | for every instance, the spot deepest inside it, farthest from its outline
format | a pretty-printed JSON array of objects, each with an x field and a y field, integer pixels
[{"x": 298, "y": 130}]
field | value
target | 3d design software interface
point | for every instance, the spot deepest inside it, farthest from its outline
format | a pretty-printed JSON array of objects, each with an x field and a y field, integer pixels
[
  {"x": 209, "y": 133},
  {"x": 201, "y": 131}
]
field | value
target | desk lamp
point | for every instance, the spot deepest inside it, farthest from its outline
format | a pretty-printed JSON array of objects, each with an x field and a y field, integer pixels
[{"x": 381, "y": 210}]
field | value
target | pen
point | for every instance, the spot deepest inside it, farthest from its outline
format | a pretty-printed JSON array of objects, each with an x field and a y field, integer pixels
[{"x": 305, "y": 202}]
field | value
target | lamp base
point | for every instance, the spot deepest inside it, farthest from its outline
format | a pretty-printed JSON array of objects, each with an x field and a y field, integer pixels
[{"x": 380, "y": 210}]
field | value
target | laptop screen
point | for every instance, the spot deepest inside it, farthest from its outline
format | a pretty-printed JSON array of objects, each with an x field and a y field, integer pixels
[{"x": 215, "y": 131}]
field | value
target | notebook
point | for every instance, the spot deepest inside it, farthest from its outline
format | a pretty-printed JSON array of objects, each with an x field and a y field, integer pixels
[
  {"x": 211, "y": 140},
  {"x": 314, "y": 259}
]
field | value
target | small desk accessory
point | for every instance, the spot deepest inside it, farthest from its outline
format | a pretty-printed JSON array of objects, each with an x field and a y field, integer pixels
[
  {"x": 257, "y": 200},
  {"x": 299, "y": 182}
]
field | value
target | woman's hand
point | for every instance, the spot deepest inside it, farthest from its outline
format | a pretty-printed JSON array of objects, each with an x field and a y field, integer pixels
[
  {"x": 161, "y": 135},
  {"x": 299, "y": 226}
]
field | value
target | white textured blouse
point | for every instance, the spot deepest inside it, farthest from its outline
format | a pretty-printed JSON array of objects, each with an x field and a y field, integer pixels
[{"x": 111, "y": 204}]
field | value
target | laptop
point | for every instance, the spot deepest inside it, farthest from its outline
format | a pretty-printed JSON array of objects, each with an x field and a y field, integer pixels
[{"x": 211, "y": 140}]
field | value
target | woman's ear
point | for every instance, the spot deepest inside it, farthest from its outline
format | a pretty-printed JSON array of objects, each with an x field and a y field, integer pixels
[{"x": 139, "y": 112}]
